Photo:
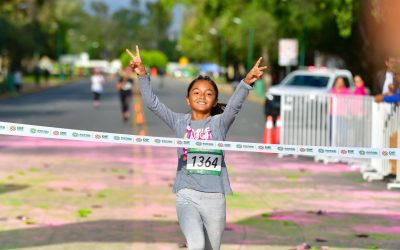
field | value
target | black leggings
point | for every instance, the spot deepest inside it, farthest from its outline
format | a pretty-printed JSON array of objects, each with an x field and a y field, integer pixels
[
  {"x": 96, "y": 96},
  {"x": 125, "y": 96}
]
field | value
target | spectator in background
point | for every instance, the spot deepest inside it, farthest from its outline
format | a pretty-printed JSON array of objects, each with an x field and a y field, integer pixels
[
  {"x": 18, "y": 80},
  {"x": 46, "y": 74},
  {"x": 360, "y": 86},
  {"x": 395, "y": 96},
  {"x": 392, "y": 90},
  {"x": 97, "y": 82},
  {"x": 36, "y": 73},
  {"x": 340, "y": 87},
  {"x": 161, "y": 73},
  {"x": 385, "y": 77},
  {"x": 125, "y": 87}
]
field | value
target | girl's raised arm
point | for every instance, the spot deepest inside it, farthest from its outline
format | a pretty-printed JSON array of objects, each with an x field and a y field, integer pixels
[
  {"x": 136, "y": 62},
  {"x": 255, "y": 73},
  {"x": 149, "y": 98},
  {"x": 235, "y": 102}
]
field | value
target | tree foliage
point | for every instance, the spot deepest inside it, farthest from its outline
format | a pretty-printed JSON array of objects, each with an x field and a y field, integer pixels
[
  {"x": 331, "y": 27},
  {"x": 150, "y": 58},
  {"x": 33, "y": 28}
]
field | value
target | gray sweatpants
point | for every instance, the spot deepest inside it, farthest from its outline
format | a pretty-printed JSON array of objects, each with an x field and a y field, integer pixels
[{"x": 202, "y": 218}]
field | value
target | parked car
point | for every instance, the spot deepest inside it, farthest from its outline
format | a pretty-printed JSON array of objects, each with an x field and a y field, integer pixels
[{"x": 304, "y": 81}]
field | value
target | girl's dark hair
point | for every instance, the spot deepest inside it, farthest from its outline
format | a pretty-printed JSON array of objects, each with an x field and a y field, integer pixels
[{"x": 219, "y": 108}]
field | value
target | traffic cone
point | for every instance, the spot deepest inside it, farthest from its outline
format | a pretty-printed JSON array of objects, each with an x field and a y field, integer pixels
[
  {"x": 137, "y": 107},
  {"x": 269, "y": 131},
  {"x": 153, "y": 71},
  {"x": 278, "y": 130},
  {"x": 139, "y": 118}
]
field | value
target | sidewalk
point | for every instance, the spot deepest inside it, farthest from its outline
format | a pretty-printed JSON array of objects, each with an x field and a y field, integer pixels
[
  {"x": 82, "y": 195},
  {"x": 30, "y": 87}
]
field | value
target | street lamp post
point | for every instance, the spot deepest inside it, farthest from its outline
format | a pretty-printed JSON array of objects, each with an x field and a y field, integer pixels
[
  {"x": 250, "y": 48},
  {"x": 259, "y": 84},
  {"x": 223, "y": 48}
]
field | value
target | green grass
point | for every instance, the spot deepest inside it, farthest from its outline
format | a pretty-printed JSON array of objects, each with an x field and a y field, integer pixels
[{"x": 83, "y": 213}]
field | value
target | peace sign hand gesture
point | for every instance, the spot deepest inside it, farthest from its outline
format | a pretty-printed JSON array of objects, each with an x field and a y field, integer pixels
[
  {"x": 255, "y": 73},
  {"x": 136, "y": 62}
]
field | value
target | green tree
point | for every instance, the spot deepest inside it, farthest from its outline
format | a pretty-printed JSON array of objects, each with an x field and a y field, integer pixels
[
  {"x": 210, "y": 27},
  {"x": 150, "y": 58}
]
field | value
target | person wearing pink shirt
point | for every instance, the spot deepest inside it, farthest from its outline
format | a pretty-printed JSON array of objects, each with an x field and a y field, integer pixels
[
  {"x": 360, "y": 86},
  {"x": 340, "y": 87}
]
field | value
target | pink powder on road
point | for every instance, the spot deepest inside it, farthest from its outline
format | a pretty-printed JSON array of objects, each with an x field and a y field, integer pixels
[
  {"x": 377, "y": 229},
  {"x": 297, "y": 217},
  {"x": 77, "y": 185},
  {"x": 359, "y": 206}
]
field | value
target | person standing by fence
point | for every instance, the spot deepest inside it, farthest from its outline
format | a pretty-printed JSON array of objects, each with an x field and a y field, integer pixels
[
  {"x": 395, "y": 96},
  {"x": 385, "y": 76},
  {"x": 360, "y": 86}
]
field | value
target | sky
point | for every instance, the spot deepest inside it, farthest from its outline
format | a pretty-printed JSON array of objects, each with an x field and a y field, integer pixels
[{"x": 113, "y": 5}]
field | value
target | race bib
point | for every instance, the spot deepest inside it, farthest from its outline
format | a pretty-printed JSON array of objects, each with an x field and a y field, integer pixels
[{"x": 206, "y": 162}]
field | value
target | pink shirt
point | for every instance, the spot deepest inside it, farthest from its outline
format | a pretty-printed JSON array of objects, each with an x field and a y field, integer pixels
[
  {"x": 340, "y": 91},
  {"x": 360, "y": 91}
]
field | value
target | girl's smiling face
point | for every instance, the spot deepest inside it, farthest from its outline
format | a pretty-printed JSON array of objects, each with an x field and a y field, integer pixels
[{"x": 202, "y": 97}]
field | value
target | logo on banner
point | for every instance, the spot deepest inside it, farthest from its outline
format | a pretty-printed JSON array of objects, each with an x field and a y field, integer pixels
[
  {"x": 290, "y": 149},
  {"x": 55, "y": 132},
  {"x": 97, "y": 136}
]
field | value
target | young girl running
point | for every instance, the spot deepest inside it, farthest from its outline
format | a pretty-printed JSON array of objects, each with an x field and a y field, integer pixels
[{"x": 202, "y": 178}]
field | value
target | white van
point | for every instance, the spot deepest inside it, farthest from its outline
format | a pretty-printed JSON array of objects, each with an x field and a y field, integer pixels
[{"x": 304, "y": 81}]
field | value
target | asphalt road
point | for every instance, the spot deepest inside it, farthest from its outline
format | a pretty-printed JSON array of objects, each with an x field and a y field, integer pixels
[{"x": 70, "y": 106}]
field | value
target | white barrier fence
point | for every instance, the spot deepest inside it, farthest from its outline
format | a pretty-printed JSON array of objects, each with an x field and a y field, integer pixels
[
  {"x": 326, "y": 120},
  {"x": 341, "y": 121}
]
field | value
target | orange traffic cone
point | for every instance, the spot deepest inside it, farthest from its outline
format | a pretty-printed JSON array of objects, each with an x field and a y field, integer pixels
[
  {"x": 137, "y": 107},
  {"x": 153, "y": 71},
  {"x": 269, "y": 131},
  {"x": 139, "y": 118},
  {"x": 278, "y": 130}
]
